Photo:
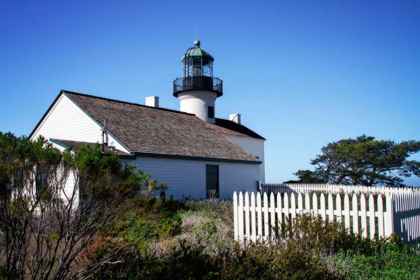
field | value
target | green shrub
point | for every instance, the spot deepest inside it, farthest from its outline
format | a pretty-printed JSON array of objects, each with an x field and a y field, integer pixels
[
  {"x": 170, "y": 226},
  {"x": 194, "y": 240},
  {"x": 391, "y": 261}
]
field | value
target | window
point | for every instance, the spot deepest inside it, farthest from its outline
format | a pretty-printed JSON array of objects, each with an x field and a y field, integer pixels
[
  {"x": 212, "y": 181},
  {"x": 210, "y": 113}
]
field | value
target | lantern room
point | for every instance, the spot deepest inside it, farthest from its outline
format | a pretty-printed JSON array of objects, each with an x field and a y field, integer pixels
[
  {"x": 197, "y": 62},
  {"x": 197, "y": 72}
]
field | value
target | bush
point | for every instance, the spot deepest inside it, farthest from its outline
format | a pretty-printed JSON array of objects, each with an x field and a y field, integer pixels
[
  {"x": 193, "y": 240},
  {"x": 391, "y": 261}
]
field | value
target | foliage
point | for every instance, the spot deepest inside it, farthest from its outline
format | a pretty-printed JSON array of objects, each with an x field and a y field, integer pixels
[
  {"x": 45, "y": 226},
  {"x": 113, "y": 234},
  {"x": 363, "y": 161},
  {"x": 308, "y": 177},
  {"x": 390, "y": 261},
  {"x": 306, "y": 248}
]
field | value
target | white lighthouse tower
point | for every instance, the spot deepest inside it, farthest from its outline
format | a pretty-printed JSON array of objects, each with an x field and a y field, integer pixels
[{"x": 198, "y": 90}]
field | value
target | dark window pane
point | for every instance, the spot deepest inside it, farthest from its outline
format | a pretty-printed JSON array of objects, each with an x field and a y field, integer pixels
[
  {"x": 212, "y": 181},
  {"x": 210, "y": 112}
]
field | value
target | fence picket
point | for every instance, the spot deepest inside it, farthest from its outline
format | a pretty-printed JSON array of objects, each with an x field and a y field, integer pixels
[
  {"x": 253, "y": 219},
  {"x": 363, "y": 215},
  {"x": 315, "y": 204},
  {"x": 323, "y": 209},
  {"x": 273, "y": 214},
  {"x": 381, "y": 232},
  {"x": 389, "y": 217},
  {"x": 339, "y": 210},
  {"x": 372, "y": 217},
  {"x": 266, "y": 224},
  {"x": 279, "y": 211},
  {"x": 330, "y": 208},
  {"x": 235, "y": 216},
  {"x": 286, "y": 207},
  {"x": 355, "y": 214},
  {"x": 247, "y": 224},
  {"x": 241, "y": 217},
  {"x": 347, "y": 211},
  {"x": 259, "y": 210},
  {"x": 293, "y": 205}
]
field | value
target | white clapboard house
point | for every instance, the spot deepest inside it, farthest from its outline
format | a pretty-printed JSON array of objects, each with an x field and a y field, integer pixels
[{"x": 191, "y": 150}]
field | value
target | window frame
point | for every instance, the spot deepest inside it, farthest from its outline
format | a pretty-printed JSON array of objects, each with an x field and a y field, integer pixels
[{"x": 210, "y": 180}]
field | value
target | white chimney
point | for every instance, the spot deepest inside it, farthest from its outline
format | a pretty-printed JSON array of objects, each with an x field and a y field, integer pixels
[
  {"x": 235, "y": 118},
  {"x": 152, "y": 101}
]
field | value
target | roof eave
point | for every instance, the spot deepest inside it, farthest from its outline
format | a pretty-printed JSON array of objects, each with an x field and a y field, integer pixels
[{"x": 195, "y": 158}]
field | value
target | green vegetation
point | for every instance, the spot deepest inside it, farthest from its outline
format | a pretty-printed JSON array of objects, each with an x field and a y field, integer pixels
[
  {"x": 194, "y": 240},
  {"x": 363, "y": 161},
  {"x": 126, "y": 228}
]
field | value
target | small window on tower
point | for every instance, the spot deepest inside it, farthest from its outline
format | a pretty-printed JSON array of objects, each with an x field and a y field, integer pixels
[{"x": 210, "y": 112}]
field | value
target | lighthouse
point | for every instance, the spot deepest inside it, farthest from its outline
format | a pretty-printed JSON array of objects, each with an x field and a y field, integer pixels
[{"x": 198, "y": 90}]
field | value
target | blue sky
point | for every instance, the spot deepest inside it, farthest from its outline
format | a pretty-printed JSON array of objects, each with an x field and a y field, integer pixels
[{"x": 301, "y": 73}]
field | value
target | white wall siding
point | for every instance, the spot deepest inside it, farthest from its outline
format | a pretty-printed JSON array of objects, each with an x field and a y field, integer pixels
[
  {"x": 254, "y": 146},
  {"x": 69, "y": 187},
  {"x": 68, "y": 122},
  {"x": 187, "y": 178},
  {"x": 237, "y": 176}
]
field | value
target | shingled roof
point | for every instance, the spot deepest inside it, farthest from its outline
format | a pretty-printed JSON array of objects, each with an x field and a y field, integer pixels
[{"x": 157, "y": 131}]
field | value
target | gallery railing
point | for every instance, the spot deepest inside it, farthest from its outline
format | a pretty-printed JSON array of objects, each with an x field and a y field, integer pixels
[{"x": 198, "y": 83}]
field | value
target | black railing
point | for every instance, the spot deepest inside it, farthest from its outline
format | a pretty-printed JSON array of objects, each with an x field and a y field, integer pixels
[{"x": 198, "y": 83}]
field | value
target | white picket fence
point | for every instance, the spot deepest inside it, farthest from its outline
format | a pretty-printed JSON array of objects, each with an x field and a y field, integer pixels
[
  {"x": 380, "y": 215},
  {"x": 326, "y": 188}
]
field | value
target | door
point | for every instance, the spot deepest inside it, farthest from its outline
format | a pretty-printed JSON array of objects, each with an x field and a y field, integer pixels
[{"x": 212, "y": 181}]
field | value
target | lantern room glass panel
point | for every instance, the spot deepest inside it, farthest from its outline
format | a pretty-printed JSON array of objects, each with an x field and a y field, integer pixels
[{"x": 198, "y": 66}]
